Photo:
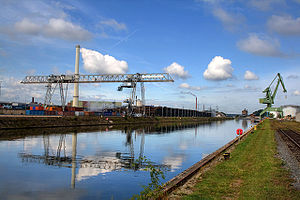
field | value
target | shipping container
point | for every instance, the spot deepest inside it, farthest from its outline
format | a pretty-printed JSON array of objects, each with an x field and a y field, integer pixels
[{"x": 35, "y": 112}]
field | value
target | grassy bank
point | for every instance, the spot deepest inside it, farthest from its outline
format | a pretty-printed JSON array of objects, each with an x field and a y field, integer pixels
[{"x": 253, "y": 172}]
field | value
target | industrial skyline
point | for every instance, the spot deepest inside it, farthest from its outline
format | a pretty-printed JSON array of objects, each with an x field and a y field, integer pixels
[{"x": 225, "y": 52}]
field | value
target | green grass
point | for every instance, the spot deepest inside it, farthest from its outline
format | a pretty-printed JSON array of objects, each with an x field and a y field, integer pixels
[{"x": 252, "y": 172}]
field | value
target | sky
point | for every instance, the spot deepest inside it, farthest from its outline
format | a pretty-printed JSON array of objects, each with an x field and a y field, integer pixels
[{"x": 225, "y": 52}]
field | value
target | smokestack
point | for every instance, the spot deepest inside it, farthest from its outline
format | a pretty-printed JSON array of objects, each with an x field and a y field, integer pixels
[{"x": 76, "y": 85}]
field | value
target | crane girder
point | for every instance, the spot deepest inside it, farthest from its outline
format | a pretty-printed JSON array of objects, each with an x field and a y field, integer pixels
[{"x": 99, "y": 78}]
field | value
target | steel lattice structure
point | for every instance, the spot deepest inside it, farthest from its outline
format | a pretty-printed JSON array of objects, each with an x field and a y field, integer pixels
[
  {"x": 128, "y": 80},
  {"x": 99, "y": 78}
]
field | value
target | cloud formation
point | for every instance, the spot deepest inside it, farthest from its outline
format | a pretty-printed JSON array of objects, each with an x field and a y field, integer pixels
[
  {"x": 260, "y": 46},
  {"x": 284, "y": 25},
  {"x": 177, "y": 70},
  {"x": 228, "y": 20},
  {"x": 250, "y": 76},
  {"x": 54, "y": 28},
  {"x": 95, "y": 62},
  {"x": 187, "y": 86},
  {"x": 265, "y": 5},
  {"x": 251, "y": 88},
  {"x": 218, "y": 69},
  {"x": 13, "y": 90},
  {"x": 296, "y": 93},
  {"x": 112, "y": 23},
  {"x": 293, "y": 76},
  {"x": 27, "y": 27}
]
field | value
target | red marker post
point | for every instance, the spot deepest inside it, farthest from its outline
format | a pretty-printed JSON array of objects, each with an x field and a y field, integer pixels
[{"x": 239, "y": 132}]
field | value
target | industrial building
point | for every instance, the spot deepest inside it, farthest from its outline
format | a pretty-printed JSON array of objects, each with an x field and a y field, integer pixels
[{"x": 290, "y": 110}]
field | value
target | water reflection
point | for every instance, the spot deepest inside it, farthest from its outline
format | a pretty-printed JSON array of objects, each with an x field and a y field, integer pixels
[
  {"x": 104, "y": 160},
  {"x": 90, "y": 166},
  {"x": 245, "y": 124}
]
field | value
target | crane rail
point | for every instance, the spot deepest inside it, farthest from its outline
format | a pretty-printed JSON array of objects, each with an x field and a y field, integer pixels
[{"x": 98, "y": 78}]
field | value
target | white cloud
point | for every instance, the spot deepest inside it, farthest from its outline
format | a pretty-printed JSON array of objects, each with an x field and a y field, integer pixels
[
  {"x": 13, "y": 90},
  {"x": 218, "y": 69},
  {"x": 54, "y": 28},
  {"x": 284, "y": 25},
  {"x": 112, "y": 23},
  {"x": 42, "y": 19},
  {"x": 59, "y": 28},
  {"x": 260, "y": 46},
  {"x": 228, "y": 20},
  {"x": 28, "y": 27},
  {"x": 265, "y": 4},
  {"x": 95, "y": 62},
  {"x": 296, "y": 93},
  {"x": 177, "y": 70},
  {"x": 187, "y": 86},
  {"x": 251, "y": 88},
  {"x": 250, "y": 76},
  {"x": 292, "y": 76}
]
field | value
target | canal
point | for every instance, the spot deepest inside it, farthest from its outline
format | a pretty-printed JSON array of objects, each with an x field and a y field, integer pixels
[{"x": 99, "y": 164}]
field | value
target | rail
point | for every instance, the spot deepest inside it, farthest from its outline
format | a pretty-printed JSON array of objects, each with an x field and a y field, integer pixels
[{"x": 293, "y": 136}]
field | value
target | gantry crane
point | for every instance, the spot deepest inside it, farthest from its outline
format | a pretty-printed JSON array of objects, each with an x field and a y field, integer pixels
[
  {"x": 270, "y": 96},
  {"x": 128, "y": 80}
]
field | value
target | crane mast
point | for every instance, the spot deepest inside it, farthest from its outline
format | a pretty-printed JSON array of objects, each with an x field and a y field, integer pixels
[{"x": 270, "y": 96}]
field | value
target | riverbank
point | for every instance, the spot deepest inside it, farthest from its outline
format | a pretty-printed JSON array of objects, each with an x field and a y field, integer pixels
[
  {"x": 254, "y": 171},
  {"x": 24, "y": 122},
  {"x": 158, "y": 128}
]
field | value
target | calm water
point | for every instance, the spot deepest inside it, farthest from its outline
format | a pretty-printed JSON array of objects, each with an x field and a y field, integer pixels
[{"x": 98, "y": 165}]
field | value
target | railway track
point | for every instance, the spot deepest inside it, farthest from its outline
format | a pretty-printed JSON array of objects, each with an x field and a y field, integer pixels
[{"x": 292, "y": 140}]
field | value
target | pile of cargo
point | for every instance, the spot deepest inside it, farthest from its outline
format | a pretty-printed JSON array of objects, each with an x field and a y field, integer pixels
[{"x": 35, "y": 110}]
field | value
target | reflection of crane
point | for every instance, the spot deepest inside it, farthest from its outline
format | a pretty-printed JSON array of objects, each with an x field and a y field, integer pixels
[
  {"x": 115, "y": 161},
  {"x": 270, "y": 96},
  {"x": 128, "y": 80}
]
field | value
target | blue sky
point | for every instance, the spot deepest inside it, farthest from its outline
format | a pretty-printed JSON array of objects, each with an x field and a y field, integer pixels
[{"x": 225, "y": 52}]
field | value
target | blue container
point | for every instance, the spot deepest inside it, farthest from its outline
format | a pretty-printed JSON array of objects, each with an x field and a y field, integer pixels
[{"x": 27, "y": 112}]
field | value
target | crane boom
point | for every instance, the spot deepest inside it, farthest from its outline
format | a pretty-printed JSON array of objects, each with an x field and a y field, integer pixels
[
  {"x": 270, "y": 96},
  {"x": 99, "y": 78}
]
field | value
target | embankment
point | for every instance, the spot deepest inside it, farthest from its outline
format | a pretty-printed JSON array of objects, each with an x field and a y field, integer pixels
[
  {"x": 253, "y": 171},
  {"x": 69, "y": 121}
]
